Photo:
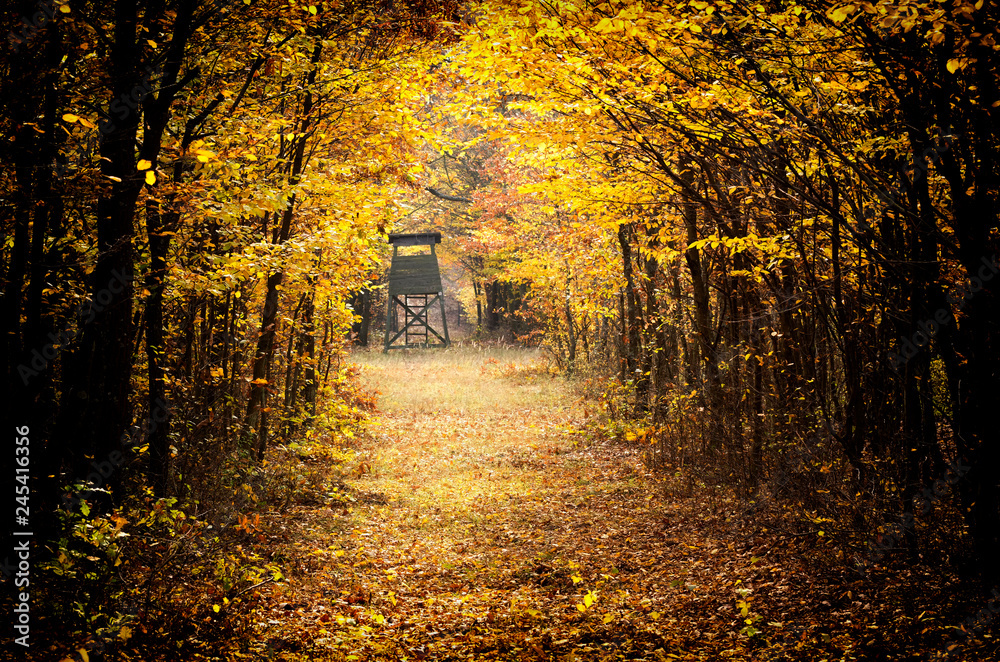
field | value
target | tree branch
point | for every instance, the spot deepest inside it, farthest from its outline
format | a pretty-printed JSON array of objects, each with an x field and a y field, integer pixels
[{"x": 445, "y": 196}]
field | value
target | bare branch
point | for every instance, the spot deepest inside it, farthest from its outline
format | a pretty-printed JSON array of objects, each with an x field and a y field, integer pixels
[{"x": 445, "y": 196}]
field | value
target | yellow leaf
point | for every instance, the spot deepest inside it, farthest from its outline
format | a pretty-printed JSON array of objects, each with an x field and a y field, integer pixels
[
  {"x": 150, "y": 177},
  {"x": 608, "y": 618},
  {"x": 152, "y": 43},
  {"x": 840, "y": 14},
  {"x": 581, "y": 607},
  {"x": 70, "y": 117},
  {"x": 216, "y": 608},
  {"x": 312, "y": 9},
  {"x": 64, "y": 9},
  {"x": 953, "y": 65},
  {"x": 83, "y": 654},
  {"x": 143, "y": 164}
]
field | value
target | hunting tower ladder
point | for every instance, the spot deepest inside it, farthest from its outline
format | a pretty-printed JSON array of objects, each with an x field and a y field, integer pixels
[{"x": 414, "y": 286}]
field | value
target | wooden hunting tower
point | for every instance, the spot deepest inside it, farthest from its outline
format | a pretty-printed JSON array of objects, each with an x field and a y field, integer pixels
[{"x": 414, "y": 286}]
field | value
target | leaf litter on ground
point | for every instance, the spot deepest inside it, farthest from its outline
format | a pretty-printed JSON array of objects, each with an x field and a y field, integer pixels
[{"x": 485, "y": 524}]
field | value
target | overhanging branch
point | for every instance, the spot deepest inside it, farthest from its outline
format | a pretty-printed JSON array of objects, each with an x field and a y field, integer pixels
[{"x": 445, "y": 196}]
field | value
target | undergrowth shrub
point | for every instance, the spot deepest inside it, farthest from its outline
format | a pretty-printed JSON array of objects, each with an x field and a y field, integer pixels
[
  {"x": 181, "y": 576},
  {"x": 542, "y": 366},
  {"x": 145, "y": 580}
]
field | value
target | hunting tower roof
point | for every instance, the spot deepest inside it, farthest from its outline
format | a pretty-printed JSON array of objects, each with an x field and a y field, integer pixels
[{"x": 415, "y": 239}]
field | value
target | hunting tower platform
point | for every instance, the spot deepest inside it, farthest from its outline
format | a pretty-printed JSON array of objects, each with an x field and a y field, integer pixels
[{"x": 414, "y": 286}]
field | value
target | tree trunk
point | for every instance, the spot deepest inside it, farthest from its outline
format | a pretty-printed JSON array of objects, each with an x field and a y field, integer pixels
[
  {"x": 631, "y": 321},
  {"x": 703, "y": 317},
  {"x": 158, "y": 468},
  {"x": 256, "y": 414}
]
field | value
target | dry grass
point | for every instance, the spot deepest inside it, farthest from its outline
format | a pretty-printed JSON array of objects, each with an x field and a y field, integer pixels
[
  {"x": 453, "y": 434},
  {"x": 475, "y": 510},
  {"x": 460, "y": 380}
]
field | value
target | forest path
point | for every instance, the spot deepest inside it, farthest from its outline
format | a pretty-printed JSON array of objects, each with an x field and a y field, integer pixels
[{"x": 480, "y": 524}]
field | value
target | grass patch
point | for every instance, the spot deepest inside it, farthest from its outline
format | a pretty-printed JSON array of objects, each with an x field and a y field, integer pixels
[{"x": 461, "y": 380}]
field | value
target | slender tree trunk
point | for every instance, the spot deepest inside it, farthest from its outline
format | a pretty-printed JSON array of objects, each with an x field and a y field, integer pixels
[
  {"x": 310, "y": 385},
  {"x": 631, "y": 321},
  {"x": 703, "y": 317},
  {"x": 570, "y": 335},
  {"x": 256, "y": 414},
  {"x": 477, "y": 289},
  {"x": 158, "y": 468},
  {"x": 653, "y": 327}
]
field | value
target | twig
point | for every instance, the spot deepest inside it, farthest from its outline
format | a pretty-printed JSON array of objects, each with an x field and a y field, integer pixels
[{"x": 250, "y": 588}]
